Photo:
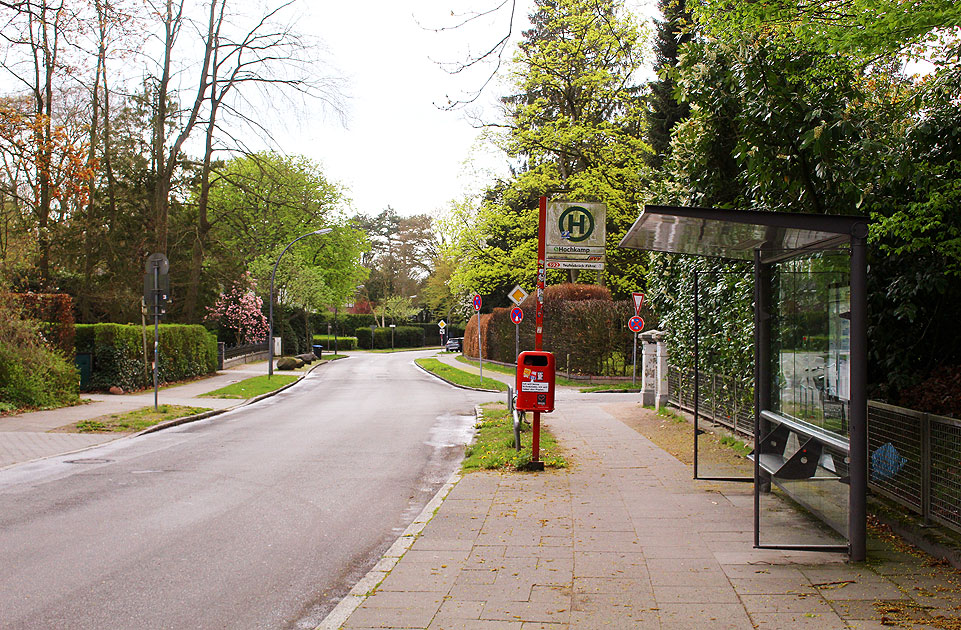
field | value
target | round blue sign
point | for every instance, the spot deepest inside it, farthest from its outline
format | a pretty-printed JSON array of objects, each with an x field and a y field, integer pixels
[
  {"x": 517, "y": 315},
  {"x": 477, "y": 302},
  {"x": 636, "y": 324}
]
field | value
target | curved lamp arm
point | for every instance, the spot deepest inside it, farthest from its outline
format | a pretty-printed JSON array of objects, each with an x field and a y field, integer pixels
[{"x": 270, "y": 326}]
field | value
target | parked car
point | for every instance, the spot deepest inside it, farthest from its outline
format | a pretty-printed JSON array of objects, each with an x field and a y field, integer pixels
[{"x": 455, "y": 344}]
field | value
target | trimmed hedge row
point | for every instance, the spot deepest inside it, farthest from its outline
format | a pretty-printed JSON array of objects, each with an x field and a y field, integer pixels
[
  {"x": 117, "y": 350},
  {"x": 342, "y": 343},
  {"x": 404, "y": 337},
  {"x": 593, "y": 332}
]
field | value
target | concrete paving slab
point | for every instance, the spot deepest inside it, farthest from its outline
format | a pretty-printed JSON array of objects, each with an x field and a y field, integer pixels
[{"x": 613, "y": 544}]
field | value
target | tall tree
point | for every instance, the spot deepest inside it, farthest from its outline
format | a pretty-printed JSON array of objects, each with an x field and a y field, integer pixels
[
  {"x": 663, "y": 109},
  {"x": 572, "y": 123}
]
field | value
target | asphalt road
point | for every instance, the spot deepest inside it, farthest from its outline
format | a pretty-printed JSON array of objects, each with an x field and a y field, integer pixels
[{"x": 260, "y": 518}]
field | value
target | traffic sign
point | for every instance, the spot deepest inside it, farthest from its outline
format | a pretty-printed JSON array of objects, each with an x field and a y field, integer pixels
[
  {"x": 517, "y": 295},
  {"x": 442, "y": 324},
  {"x": 636, "y": 324},
  {"x": 638, "y": 302},
  {"x": 517, "y": 315},
  {"x": 477, "y": 302}
]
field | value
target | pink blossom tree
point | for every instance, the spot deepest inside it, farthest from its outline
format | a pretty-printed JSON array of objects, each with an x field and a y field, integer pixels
[{"x": 240, "y": 310}]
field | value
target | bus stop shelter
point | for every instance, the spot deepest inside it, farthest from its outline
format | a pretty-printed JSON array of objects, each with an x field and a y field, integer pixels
[{"x": 788, "y": 446}]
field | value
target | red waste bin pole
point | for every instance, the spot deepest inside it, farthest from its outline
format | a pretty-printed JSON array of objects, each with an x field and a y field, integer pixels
[{"x": 539, "y": 315}]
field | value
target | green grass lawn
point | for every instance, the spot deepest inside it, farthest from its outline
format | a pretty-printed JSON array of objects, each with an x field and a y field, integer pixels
[
  {"x": 493, "y": 449},
  {"x": 253, "y": 386},
  {"x": 459, "y": 377},
  {"x": 132, "y": 421}
]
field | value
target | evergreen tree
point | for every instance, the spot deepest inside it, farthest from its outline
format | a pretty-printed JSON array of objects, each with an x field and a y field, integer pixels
[{"x": 664, "y": 111}]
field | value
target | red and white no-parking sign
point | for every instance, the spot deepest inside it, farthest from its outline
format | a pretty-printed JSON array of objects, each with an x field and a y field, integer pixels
[
  {"x": 636, "y": 324},
  {"x": 477, "y": 302},
  {"x": 517, "y": 315}
]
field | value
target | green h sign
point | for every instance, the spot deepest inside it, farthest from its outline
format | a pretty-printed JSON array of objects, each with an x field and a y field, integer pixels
[{"x": 576, "y": 224}]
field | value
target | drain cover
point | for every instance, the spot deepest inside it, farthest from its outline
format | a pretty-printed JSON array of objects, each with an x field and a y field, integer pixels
[{"x": 89, "y": 460}]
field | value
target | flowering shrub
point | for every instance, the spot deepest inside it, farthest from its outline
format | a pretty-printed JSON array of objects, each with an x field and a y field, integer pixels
[{"x": 240, "y": 311}]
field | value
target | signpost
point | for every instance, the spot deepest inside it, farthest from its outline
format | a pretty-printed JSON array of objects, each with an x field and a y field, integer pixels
[
  {"x": 156, "y": 284},
  {"x": 636, "y": 324},
  {"x": 517, "y": 316},
  {"x": 442, "y": 325},
  {"x": 480, "y": 348}
]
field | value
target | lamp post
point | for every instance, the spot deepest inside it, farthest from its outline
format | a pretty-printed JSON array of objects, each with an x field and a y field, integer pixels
[{"x": 270, "y": 326}]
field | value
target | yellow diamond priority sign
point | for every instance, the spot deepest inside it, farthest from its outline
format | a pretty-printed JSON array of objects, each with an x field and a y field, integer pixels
[{"x": 517, "y": 295}]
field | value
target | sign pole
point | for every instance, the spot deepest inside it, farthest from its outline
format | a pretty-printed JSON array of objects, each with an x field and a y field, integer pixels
[
  {"x": 156, "y": 332},
  {"x": 517, "y": 341},
  {"x": 480, "y": 349},
  {"x": 634, "y": 369}
]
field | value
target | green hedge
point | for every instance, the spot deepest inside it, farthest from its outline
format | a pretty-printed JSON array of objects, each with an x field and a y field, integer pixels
[
  {"x": 118, "y": 358},
  {"x": 343, "y": 343},
  {"x": 404, "y": 337}
]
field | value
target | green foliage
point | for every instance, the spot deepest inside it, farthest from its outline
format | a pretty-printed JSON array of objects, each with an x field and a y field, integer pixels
[
  {"x": 186, "y": 351},
  {"x": 31, "y": 374},
  {"x": 258, "y": 206},
  {"x": 55, "y": 312},
  {"x": 868, "y": 29},
  {"x": 663, "y": 109}
]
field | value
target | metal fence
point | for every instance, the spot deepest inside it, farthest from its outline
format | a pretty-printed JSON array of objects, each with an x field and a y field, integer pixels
[
  {"x": 915, "y": 458},
  {"x": 720, "y": 398},
  {"x": 231, "y": 352},
  {"x": 916, "y": 461}
]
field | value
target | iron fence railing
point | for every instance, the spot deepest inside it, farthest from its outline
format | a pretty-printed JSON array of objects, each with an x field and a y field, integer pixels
[
  {"x": 721, "y": 399},
  {"x": 231, "y": 352},
  {"x": 915, "y": 460}
]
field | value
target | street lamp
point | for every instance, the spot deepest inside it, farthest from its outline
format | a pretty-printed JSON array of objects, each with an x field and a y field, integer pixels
[{"x": 270, "y": 326}]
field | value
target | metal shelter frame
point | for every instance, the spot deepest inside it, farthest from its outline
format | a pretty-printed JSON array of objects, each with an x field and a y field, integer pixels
[{"x": 767, "y": 238}]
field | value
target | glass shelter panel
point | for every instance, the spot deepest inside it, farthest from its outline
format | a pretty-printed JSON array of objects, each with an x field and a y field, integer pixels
[
  {"x": 810, "y": 352},
  {"x": 812, "y": 342}
]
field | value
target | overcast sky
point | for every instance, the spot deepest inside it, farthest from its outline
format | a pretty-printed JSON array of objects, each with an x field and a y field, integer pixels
[{"x": 398, "y": 148}]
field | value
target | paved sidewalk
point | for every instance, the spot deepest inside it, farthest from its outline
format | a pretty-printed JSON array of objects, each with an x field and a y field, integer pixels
[
  {"x": 26, "y": 437},
  {"x": 626, "y": 539}
]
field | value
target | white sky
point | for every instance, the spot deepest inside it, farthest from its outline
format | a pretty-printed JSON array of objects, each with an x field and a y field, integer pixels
[{"x": 398, "y": 148}]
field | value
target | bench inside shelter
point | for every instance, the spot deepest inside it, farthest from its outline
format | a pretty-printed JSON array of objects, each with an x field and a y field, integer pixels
[{"x": 794, "y": 449}]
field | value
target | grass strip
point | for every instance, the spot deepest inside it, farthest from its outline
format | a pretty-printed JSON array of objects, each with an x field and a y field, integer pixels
[
  {"x": 559, "y": 380},
  {"x": 493, "y": 448},
  {"x": 253, "y": 386},
  {"x": 459, "y": 377},
  {"x": 132, "y": 421}
]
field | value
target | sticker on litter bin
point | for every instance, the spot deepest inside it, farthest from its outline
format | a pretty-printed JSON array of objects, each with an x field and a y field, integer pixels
[{"x": 533, "y": 386}]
